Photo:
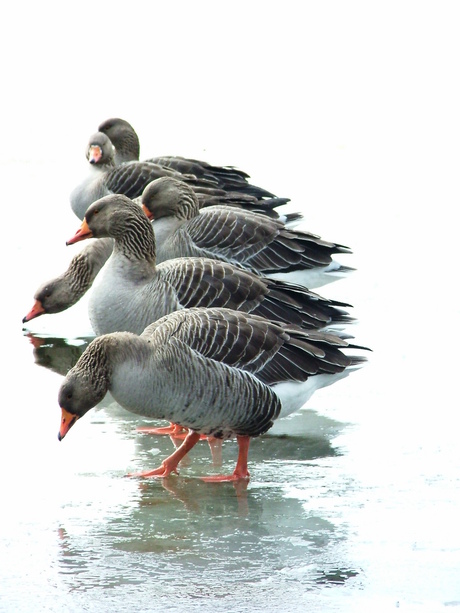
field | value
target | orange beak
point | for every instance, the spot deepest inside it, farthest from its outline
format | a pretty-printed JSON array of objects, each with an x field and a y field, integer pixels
[
  {"x": 36, "y": 310},
  {"x": 147, "y": 212},
  {"x": 81, "y": 234},
  {"x": 94, "y": 154},
  {"x": 67, "y": 421}
]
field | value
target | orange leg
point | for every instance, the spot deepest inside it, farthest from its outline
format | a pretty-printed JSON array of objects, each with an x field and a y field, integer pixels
[
  {"x": 170, "y": 464},
  {"x": 241, "y": 469}
]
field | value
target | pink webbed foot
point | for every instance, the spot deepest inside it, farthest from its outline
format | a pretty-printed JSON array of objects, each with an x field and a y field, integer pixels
[
  {"x": 241, "y": 469},
  {"x": 160, "y": 472},
  {"x": 170, "y": 464},
  {"x": 171, "y": 430}
]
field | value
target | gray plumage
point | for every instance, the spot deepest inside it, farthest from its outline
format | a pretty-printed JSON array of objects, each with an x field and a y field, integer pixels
[
  {"x": 127, "y": 148},
  {"x": 134, "y": 291},
  {"x": 241, "y": 237},
  {"x": 65, "y": 290},
  {"x": 106, "y": 177},
  {"x": 216, "y": 371}
]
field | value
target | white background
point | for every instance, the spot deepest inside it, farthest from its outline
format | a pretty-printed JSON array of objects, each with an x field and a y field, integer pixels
[{"x": 351, "y": 109}]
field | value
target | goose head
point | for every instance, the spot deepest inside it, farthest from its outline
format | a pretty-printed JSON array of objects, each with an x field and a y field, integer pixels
[
  {"x": 84, "y": 386},
  {"x": 111, "y": 216},
  {"x": 166, "y": 197},
  {"x": 123, "y": 137},
  {"x": 100, "y": 151}
]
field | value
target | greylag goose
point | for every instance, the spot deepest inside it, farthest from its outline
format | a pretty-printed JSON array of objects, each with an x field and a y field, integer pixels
[
  {"x": 220, "y": 373},
  {"x": 106, "y": 177},
  {"x": 134, "y": 291},
  {"x": 127, "y": 149},
  {"x": 249, "y": 239},
  {"x": 60, "y": 293},
  {"x": 64, "y": 291}
]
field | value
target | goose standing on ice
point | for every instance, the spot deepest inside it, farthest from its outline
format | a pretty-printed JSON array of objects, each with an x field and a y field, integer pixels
[{"x": 217, "y": 372}]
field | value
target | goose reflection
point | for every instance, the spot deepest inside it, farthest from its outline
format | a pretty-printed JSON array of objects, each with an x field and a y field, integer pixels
[
  {"x": 180, "y": 532},
  {"x": 57, "y": 354}
]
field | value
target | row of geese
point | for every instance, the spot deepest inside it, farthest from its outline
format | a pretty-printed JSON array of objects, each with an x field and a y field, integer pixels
[{"x": 204, "y": 314}]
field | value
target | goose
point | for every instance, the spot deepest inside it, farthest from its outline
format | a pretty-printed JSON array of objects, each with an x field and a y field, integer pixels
[
  {"x": 217, "y": 372},
  {"x": 127, "y": 149},
  {"x": 134, "y": 290},
  {"x": 106, "y": 177},
  {"x": 65, "y": 290},
  {"x": 246, "y": 238},
  {"x": 261, "y": 233}
]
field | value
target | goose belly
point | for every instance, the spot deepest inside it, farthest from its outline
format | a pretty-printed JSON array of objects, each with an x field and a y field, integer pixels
[
  {"x": 209, "y": 400},
  {"x": 294, "y": 395}
]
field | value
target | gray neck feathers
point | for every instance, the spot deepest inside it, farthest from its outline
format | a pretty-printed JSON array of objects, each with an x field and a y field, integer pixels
[
  {"x": 188, "y": 202},
  {"x": 134, "y": 237}
]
